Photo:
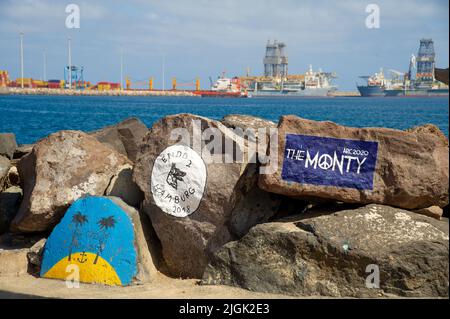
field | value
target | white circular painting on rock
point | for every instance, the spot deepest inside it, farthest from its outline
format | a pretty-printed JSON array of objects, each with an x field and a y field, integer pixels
[{"x": 178, "y": 180}]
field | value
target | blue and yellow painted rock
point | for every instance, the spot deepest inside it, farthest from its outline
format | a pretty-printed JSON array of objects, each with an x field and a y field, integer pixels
[{"x": 96, "y": 236}]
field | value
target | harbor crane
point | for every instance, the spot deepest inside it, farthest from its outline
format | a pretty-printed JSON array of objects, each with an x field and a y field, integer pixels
[
  {"x": 191, "y": 83},
  {"x": 128, "y": 83}
]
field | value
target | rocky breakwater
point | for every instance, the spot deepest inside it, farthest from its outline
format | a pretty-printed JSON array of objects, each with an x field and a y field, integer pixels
[
  {"x": 195, "y": 189},
  {"x": 60, "y": 169},
  {"x": 341, "y": 247},
  {"x": 336, "y": 211},
  {"x": 359, "y": 165},
  {"x": 372, "y": 251}
]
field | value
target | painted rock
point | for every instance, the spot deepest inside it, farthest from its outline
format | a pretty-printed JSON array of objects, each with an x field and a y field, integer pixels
[
  {"x": 60, "y": 169},
  {"x": 359, "y": 165},
  {"x": 97, "y": 241},
  {"x": 365, "y": 252},
  {"x": 192, "y": 191}
]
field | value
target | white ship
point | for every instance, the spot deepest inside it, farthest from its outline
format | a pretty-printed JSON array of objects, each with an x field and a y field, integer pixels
[
  {"x": 312, "y": 84},
  {"x": 224, "y": 84}
]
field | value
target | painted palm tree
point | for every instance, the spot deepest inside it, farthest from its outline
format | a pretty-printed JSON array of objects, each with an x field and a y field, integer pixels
[
  {"x": 78, "y": 220},
  {"x": 105, "y": 224}
]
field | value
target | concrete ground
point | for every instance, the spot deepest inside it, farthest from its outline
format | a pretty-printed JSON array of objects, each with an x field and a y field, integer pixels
[{"x": 162, "y": 287}]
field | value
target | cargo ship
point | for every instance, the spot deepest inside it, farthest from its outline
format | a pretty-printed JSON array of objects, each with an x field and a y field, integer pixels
[
  {"x": 311, "y": 84},
  {"x": 375, "y": 86},
  {"x": 224, "y": 87}
]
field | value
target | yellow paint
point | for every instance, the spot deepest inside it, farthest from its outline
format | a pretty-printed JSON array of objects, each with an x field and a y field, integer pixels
[{"x": 102, "y": 272}]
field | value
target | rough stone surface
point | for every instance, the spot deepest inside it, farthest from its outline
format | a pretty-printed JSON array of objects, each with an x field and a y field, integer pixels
[
  {"x": 411, "y": 172},
  {"x": 329, "y": 255},
  {"x": 34, "y": 256},
  {"x": 244, "y": 124},
  {"x": 62, "y": 168},
  {"x": 433, "y": 211},
  {"x": 246, "y": 121},
  {"x": 124, "y": 187},
  {"x": 9, "y": 205},
  {"x": 23, "y": 150},
  {"x": 187, "y": 242},
  {"x": 125, "y": 137},
  {"x": 5, "y": 164},
  {"x": 430, "y": 129},
  {"x": 8, "y": 144},
  {"x": 13, "y": 178},
  {"x": 145, "y": 245},
  {"x": 13, "y": 262}
]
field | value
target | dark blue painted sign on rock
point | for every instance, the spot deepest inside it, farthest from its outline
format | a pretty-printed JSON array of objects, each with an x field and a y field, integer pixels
[{"x": 329, "y": 161}]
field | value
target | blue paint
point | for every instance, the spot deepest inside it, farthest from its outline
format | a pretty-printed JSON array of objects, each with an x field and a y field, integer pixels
[
  {"x": 329, "y": 161},
  {"x": 102, "y": 227}
]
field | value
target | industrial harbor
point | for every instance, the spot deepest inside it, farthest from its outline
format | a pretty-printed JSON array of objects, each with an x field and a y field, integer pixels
[
  {"x": 420, "y": 80},
  {"x": 276, "y": 81}
]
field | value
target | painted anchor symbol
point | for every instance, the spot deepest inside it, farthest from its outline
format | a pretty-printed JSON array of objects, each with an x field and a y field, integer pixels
[{"x": 83, "y": 258}]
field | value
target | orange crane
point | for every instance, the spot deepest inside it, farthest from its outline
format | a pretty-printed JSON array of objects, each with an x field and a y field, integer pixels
[
  {"x": 195, "y": 84},
  {"x": 128, "y": 83}
]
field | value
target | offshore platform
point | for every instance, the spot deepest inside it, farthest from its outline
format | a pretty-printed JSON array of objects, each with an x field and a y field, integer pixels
[
  {"x": 275, "y": 61},
  {"x": 277, "y": 82},
  {"x": 424, "y": 82},
  {"x": 425, "y": 64},
  {"x": 420, "y": 80}
]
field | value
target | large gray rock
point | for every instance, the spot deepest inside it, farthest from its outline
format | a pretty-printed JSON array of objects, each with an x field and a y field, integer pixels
[
  {"x": 145, "y": 243},
  {"x": 9, "y": 205},
  {"x": 62, "y": 168},
  {"x": 123, "y": 186},
  {"x": 334, "y": 255},
  {"x": 8, "y": 144},
  {"x": 192, "y": 197},
  {"x": 5, "y": 164},
  {"x": 125, "y": 137},
  {"x": 359, "y": 165}
]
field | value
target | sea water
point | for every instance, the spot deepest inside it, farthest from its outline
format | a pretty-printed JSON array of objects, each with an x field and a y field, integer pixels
[{"x": 34, "y": 117}]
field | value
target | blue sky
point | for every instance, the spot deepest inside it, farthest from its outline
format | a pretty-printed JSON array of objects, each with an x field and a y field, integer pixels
[{"x": 203, "y": 38}]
